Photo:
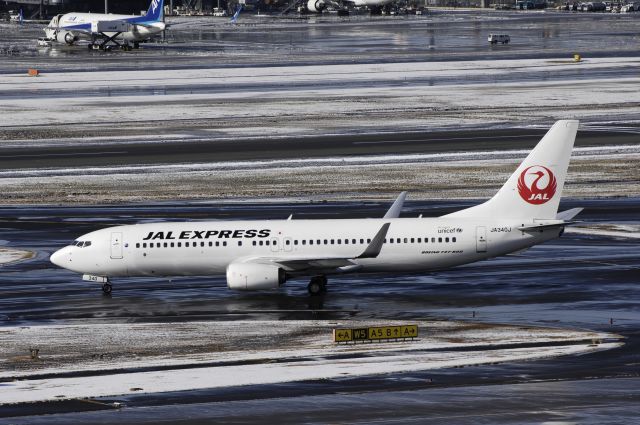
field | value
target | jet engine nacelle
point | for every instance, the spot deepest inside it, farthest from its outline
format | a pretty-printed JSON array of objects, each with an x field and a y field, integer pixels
[
  {"x": 316, "y": 6},
  {"x": 248, "y": 276},
  {"x": 66, "y": 37}
]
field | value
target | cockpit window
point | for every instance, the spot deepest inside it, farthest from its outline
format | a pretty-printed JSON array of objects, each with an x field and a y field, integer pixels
[{"x": 81, "y": 244}]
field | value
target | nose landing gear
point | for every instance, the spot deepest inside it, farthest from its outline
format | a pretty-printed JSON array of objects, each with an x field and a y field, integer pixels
[{"x": 317, "y": 285}]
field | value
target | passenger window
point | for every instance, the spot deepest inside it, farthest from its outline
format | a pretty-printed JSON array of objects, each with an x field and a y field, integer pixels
[
  {"x": 419, "y": 240},
  {"x": 446, "y": 239},
  {"x": 346, "y": 241},
  {"x": 151, "y": 245},
  {"x": 304, "y": 242},
  {"x": 217, "y": 243},
  {"x": 310, "y": 241},
  {"x": 368, "y": 240},
  {"x": 332, "y": 241},
  {"x": 433, "y": 240},
  {"x": 287, "y": 242},
  {"x": 239, "y": 243},
  {"x": 210, "y": 243},
  {"x": 138, "y": 245},
  {"x": 202, "y": 244},
  {"x": 166, "y": 245},
  {"x": 361, "y": 241},
  {"x": 172, "y": 244},
  {"x": 406, "y": 240},
  {"x": 179, "y": 244},
  {"x": 439, "y": 240},
  {"x": 295, "y": 242},
  {"x": 453, "y": 239},
  {"x": 413, "y": 240},
  {"x": 144, "y": 245},
  {"x": 254, "y": 243},
  {"x": 339, "y": 241},
  {"x": 224, "y": 243}
]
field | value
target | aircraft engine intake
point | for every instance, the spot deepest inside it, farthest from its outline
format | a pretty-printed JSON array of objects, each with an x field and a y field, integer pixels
[
  {"x": 66, "y": 37},
  {"x": 316, "y": 6},
  {"x": 247, "y": 276}
]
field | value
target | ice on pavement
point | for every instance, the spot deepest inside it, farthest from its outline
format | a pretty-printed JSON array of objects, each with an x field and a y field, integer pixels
[{"x": 272, "y": 351}]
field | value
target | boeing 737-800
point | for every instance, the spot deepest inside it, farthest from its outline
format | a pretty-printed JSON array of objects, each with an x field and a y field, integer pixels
[
  {"x": 107, "y": 28},
  {"x": 265, "y": 254}
]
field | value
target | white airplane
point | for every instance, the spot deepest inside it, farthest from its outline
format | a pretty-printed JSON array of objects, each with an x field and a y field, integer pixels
[
  {"x": 265, "y": 254},
  {"x": 102, "y": 29},
  {"x": 318, "y": 6}
]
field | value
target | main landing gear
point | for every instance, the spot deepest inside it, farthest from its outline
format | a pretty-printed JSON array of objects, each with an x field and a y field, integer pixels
[
  {"x": 317, "y": 285},
  {"x": 106, "y": 288}
]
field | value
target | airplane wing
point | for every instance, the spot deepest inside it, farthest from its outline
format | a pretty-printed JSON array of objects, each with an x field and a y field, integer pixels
[
  {"x": 338, "y": 264},
  {"x": 396, "y": 208}
]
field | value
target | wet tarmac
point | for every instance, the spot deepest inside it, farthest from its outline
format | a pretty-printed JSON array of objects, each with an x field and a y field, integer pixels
[
  {"x": 257, "y": 40},
  {"x": 578, "y": 281},
  {"x": 122, "y": 152}
]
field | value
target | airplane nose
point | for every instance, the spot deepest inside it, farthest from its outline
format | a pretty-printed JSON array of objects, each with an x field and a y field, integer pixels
[{"x": 58, "y": 257}]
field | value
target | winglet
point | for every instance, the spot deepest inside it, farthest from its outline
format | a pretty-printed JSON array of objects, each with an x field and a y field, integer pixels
[
  {"x": 568, "y": 214},
  {"x": 396, "y": 207},
  {"x": 375, "y": 246}
]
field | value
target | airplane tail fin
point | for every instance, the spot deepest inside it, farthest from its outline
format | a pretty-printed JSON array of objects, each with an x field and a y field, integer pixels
[
  {"x": 156, "y": 10},
  {"x": 234, "y": 18},
  {"x": 534, "y": 190}
]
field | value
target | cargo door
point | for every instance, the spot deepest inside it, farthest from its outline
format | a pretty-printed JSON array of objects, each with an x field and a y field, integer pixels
[
  {"x": 116, "y": 245},
  {"x": 481, "y": 239}
]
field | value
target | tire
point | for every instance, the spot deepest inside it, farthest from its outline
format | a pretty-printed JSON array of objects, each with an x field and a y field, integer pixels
[
  {"x": 106, "y": 288},
  {"x": 314, "y": 287}
]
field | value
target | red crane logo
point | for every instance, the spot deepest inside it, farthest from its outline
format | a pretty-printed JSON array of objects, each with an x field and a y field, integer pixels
[{"x": 537, "y": 185}]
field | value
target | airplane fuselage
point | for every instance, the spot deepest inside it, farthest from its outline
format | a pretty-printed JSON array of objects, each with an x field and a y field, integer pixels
[
  {"x": 81, "y": 22},
  {"x": 207, "y": 248}
]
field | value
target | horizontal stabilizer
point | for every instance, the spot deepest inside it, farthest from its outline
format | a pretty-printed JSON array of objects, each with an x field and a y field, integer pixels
[
  {"x": 569, "y": 214},
  {"x": 545, "y": 226}
]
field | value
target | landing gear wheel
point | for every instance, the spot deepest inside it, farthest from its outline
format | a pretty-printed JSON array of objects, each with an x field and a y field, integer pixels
[
  {"x": 317, "y": 285},
  {"x": 106, "y": 288}
]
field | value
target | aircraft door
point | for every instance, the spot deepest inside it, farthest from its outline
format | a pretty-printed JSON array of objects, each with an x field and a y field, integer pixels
[
  {"x": 116, "y": 245},
  {"x": 481, "y": 239},
  {"x": 275, "y": 244}
]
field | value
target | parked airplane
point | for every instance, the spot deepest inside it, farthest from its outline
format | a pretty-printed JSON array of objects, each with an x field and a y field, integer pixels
[
  {"x": 318, "y": 6},
  {"x": 102, "y": 29},
  {"x": 265, "y": 254}
]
